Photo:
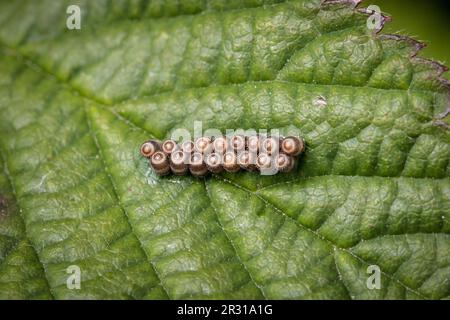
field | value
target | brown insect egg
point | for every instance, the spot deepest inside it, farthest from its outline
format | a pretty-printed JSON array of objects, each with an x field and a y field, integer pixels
[
  {"x": 270, "y": 145},
  {"x": 203, "y": 145},
  {"x": 179, "y": 162},
  {"x": 238, "y": 143},
  {"x": 148, "y": 148},
  {"x": 187, "y": 147},
  {"x": 214, "y": 162},
  {"x": 197, "y": 166},
  {"x": 169, "y": 146},
  {"x": 220, "y": 145},
  {"x": 160, "y": 163},
  {"x": 230, "y": 162},
  {"x": 284, "y": 163},
  {"x": 263, "y": 161},
  {"x": 247, "y": 160},
  {"x": 292, "y": 146},
  {"x": 253, "y": 144}
]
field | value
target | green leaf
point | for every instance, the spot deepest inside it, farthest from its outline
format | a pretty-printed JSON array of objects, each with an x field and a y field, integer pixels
[{"x": 372, "y": 188}]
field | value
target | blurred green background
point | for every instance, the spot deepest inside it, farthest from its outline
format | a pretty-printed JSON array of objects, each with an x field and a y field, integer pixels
[{"x": 424, "y": 20}]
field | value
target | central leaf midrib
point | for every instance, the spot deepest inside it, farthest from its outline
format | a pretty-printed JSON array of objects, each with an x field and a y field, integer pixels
[
  {"x": 244, "y": 266},
  {"x": 116, "y": 195}
]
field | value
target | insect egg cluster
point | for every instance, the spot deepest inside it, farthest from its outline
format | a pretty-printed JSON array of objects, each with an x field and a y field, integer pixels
[{"x": 231, "y": 154}]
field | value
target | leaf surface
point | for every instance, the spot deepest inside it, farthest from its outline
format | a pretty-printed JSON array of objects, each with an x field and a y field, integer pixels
[{"x": 372, "y": 189}]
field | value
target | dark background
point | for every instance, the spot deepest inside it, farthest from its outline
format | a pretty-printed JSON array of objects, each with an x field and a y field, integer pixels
[{"x": 424, "y": 20}]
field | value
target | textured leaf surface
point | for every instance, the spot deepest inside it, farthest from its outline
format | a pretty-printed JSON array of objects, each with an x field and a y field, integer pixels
[{"x": 373, "y": 187}]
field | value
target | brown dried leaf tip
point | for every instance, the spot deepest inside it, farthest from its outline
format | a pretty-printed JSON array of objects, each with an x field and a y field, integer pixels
[{"x": 231, "y": 154}]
